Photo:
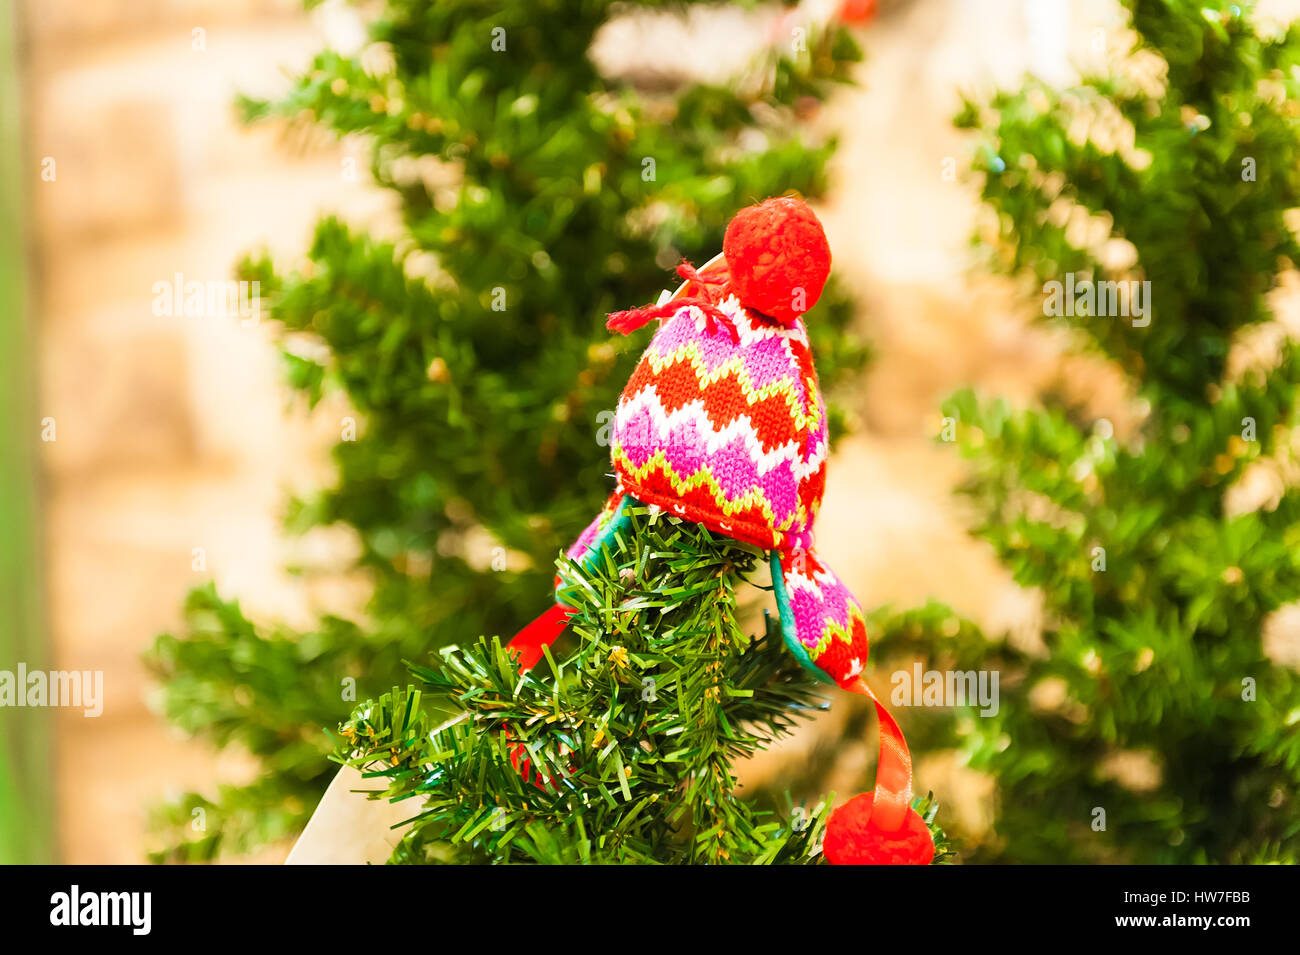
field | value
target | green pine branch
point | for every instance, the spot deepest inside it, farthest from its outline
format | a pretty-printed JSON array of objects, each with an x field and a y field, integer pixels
[{"x": 633, "y": 727}]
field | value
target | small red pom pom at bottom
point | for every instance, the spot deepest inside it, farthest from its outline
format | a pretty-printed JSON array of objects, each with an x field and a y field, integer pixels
[
  {"x": 857, "y": 11},
  {"x": 852, "y": 839}
]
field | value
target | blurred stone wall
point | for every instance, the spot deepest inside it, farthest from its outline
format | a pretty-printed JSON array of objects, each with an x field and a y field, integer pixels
[{"x": 172, "y": 433}]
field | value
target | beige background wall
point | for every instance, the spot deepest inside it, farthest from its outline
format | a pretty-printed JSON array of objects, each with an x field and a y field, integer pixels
[{"x": 172, "y": 433}]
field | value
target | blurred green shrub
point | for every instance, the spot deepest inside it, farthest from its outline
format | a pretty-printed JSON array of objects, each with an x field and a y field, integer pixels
[{"x": 1151, "y": 726}]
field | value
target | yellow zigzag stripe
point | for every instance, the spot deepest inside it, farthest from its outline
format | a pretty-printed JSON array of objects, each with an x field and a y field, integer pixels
[
  {"x": 734, "y": 367},
  {"x": 704, "y": 478},
  {"x": 835, "y": 631}
]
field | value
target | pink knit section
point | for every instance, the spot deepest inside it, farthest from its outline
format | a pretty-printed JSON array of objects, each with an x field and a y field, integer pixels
[
  {"x": 593, "y": 530},
  {"x": 812, "y": 618},
  {"x": 730, "y": 464},
  {"x": 766, "y": 358},
  {"x": 730, "y": 427},
  {"x": 816, "y": 602}
]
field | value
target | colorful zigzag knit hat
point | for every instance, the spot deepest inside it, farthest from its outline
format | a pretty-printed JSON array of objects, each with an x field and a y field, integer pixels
[{"x": 723, "y": 423}]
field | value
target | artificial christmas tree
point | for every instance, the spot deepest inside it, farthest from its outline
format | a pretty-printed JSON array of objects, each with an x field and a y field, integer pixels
[
  {"x": 536, "y": 194},
  {"x": 1157, "y": 568},
  {"x": 626, "y": 756}
]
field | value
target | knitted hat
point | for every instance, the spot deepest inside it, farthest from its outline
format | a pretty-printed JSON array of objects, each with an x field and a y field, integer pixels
[
  {"x": 730, "y": 434},
  {"x": 723, "y": 423}
]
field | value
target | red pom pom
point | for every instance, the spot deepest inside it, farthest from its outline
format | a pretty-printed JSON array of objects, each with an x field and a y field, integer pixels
[
  {"x": 778, "y": 258},
  {"x": 857, "y": 11},
  {"x": 852, "y": 839}
]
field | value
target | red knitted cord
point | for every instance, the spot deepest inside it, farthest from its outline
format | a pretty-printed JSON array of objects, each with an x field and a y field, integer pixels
[{"x": 628, "y": 321}]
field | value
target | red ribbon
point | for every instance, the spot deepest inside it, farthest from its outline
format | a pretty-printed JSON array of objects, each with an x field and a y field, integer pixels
[
  {"x": 893, "y": 796},
  {"x": 542, "y": 632},
  {"x": 527, "y": 647}
]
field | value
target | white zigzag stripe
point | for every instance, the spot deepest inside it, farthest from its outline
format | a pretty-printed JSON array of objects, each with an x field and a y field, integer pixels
[
  {"x": 715, "y": 440},
  {"x": 795, "y": 580},
  {"x": 750, "y": 331}
]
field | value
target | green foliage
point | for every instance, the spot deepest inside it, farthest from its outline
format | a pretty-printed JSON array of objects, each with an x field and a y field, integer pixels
[
  {"x": 1156, "y": 591},
  {"x": 26, "y": 761},
  {"x": 621, "y": 747},
  {"x": 472, "y": 346}
]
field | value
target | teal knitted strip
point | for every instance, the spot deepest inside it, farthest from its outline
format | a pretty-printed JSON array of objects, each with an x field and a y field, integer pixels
[{"x": 788, "y": 630}]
